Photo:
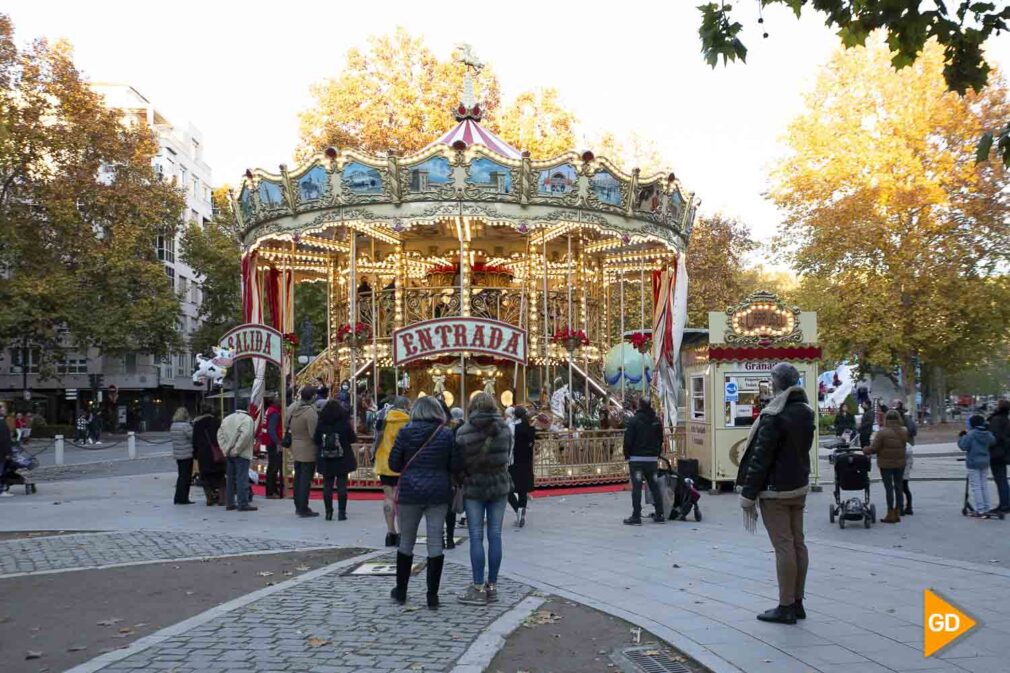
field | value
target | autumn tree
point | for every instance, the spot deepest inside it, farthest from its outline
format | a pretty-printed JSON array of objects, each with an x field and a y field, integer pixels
[
  {"x": 397, "y": 95},
  {"x": 214, "y": 251},
  {"x": 960, "y": 28},
  {"x": 901, "y": 239},
  {"x": 80, "y": 209},
  {"x": 716, "y": 265}
]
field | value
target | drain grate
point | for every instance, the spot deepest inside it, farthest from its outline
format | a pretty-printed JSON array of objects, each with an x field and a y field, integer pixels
[{"x": 648, "y": 659}]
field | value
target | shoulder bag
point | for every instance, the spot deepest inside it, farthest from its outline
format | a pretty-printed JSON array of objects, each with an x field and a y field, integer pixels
[{"x": 215, "y": 448}]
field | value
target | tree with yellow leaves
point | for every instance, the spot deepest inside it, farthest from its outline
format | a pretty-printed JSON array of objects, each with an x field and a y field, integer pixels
[
  {"x": 716, "y": 261},
  {"x": 398, "y": 95},
  {"x": 900, "y": 238}
]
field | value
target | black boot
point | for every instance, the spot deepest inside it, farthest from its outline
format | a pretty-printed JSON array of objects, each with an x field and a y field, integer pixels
[
  {"x": 783, "y": 614},
  {"x": 342, "y": 507},
  {"x": 329, "y": 514},
  {"x": 391, "y": 540},
  {"x": 403, "y": 565},
  {"x": 450, "y": 532},
  {"x": 434, "y": 579},
  {"x": 798, "y": 607}
]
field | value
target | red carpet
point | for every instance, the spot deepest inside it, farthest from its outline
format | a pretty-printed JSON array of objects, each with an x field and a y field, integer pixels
[{"x": 317, "y": 494}]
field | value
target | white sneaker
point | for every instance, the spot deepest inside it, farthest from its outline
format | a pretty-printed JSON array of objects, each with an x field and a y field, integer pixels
[
  {"x": 6, "y": 494},
  {"x": 98, "y": 443}
]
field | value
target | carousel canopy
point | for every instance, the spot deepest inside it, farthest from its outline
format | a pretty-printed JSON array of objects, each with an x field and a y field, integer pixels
[{"x": 470, "y": 132}]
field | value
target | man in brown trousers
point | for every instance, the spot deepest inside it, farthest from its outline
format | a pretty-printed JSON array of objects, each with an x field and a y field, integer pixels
[{"x": 774, "y": 474}]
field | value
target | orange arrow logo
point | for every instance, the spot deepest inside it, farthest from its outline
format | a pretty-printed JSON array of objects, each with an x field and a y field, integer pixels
[{"x": 942, "y": 623}]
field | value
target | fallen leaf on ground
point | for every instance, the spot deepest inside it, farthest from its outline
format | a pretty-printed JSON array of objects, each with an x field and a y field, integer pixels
[
  {"x": 541, "y": 617},
  {"x": 265, "y": 573},
  {"x": 125, "y": 629},
  {"x": 32, "y": 654},
  {"x": 302, "y": 568},
  {"x": 317, "y": 642},
  {"x": 651, "y": 653},
  {"x": 636, "y": 635},
  {"x": 416, "y": 667},
  {"x": 77, "y": 648},
  {"x": 109, "y": 622}
]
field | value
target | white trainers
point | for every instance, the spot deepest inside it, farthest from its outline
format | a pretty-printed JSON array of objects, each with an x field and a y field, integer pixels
[{"x": 6, "y": 494}]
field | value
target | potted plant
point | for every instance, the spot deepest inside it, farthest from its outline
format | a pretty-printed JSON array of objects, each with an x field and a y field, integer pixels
[
  {"x": 570, "y": 339},
  {"x": 354, "y": 336}
]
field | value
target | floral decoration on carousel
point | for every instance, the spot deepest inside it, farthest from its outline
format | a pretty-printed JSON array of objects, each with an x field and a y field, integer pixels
[
  {"x": 642, "y": 341},
  {"x": 570, "y": 339},
  {"x": 354, "y": 336},
  {"x": 290, "y": 344}
]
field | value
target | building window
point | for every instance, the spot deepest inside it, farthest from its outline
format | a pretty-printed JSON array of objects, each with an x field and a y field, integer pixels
[
  {"x": 166, "y": 248},
  {"x": 183, "y": 177},
  {"x": 194, "y": 216},
  {"x": 130, "y": 363},
  {"x": 181, "y": 359},
  {"x": 194, "y": 293},
  {"x": 32, "y": 357},
  {"x": 182, "y": 289},
  {"x": 73, "y": 365},
  {"x": 697, "y": 398},
  {"x": 170, "y": 272}
]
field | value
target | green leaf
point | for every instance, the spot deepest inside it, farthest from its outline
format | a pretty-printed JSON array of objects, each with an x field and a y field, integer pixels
[{"x": 984, "y": 147}]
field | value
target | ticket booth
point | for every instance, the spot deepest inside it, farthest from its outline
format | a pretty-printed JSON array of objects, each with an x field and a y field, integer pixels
[{"x": 728, "y": 378}]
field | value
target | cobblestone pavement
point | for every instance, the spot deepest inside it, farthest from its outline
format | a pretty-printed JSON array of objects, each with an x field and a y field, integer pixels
[
  {"x": 334, "y": 623},
  {"x": 95, "y": 550}
]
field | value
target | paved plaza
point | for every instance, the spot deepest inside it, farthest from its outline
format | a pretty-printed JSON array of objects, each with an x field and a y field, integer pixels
[{"x": 696, "y": 585}]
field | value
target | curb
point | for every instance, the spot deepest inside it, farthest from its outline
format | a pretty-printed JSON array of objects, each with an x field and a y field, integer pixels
[
  {"x": 158, "y": 637},
  {"x": 481, "y": 651}
]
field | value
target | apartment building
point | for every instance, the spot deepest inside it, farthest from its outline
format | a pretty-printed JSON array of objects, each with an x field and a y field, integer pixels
[{"x": 139, "y": 391}]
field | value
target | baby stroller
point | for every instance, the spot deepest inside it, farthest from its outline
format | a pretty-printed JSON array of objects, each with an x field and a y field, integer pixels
[
  {"x": 16, "y": 470},
  {"x": 852, "y": 473},
  {"x": 677, "y": 490}
]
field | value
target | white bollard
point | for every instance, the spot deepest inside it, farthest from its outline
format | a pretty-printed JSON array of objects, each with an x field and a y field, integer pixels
[
  {"x": 58, "y": 448},
  {"x": 131, "y": 445}
]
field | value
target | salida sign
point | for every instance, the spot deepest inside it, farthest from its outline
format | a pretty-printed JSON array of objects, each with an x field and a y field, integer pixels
[
  {"x": 254, "y": 341},
  {"x": 457, "y": 335}
]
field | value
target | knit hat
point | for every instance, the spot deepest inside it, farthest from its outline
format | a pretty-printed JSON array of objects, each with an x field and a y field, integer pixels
[{"x": 977, "y": 421}]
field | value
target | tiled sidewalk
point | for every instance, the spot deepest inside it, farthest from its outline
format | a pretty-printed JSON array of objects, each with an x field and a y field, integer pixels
[
  {"x": 333, "y": 623},
  {"x": 96, "y": 550}
]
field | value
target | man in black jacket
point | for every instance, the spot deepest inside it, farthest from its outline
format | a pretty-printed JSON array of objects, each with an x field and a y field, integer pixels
[
  {"x": 999, "y": 453},
  {"x": 643, "y": 442},
  {"x": 774, "y": 472}
]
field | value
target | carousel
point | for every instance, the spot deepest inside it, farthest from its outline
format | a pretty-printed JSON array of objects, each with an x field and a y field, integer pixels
[{"x": 470, "y": 266}]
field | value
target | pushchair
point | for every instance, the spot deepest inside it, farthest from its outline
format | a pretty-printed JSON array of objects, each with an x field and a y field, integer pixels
[
  {"x": 677, "y": 489},
  {"x": 17, "y": 469},
  {"x": 852, "y": 473}
]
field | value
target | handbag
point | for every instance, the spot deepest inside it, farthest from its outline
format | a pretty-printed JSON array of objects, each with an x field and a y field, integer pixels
[
  {"x": 286, "y": 439},
  {"x": 215, "y": 448},
  {"x": 458, "y": 496}
]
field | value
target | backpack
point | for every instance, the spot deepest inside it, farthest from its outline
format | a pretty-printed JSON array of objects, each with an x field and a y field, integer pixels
[{"x": 331, "y": 447}]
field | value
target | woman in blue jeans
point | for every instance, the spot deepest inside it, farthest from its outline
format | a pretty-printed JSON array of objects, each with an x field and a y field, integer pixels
[{"x": 484, "y": 441}]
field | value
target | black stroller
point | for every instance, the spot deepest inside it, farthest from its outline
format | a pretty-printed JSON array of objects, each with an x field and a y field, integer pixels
[
  {"x": 852, "y": 473},
  {"x": 677, "y": 489},
  {"x": 16, "y": 470}
]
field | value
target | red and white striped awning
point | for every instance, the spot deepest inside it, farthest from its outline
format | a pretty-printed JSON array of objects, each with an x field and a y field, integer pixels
[{"x": 470, "y": 132}]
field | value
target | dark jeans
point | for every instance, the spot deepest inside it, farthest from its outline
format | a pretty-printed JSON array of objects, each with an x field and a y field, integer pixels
[
  {"x": 237, "y": 486},
  {"x": 1002, "y": 487},
  {"x": 332, "y": 469},
  {"x": 892, "y": 478},
  {"x": 303, "y": 484},
  {"x": 450, "y": 524},
  {"x": 908, "y": 494},
  {"x": 184, "y": 479},
  {"x": 518, "y": 499},
  {"x": 274, "y": 484},
  {"x": 641, "y": 471}
]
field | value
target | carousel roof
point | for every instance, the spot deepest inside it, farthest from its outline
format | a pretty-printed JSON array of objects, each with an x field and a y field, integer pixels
[{"x": 470, "y": 132}]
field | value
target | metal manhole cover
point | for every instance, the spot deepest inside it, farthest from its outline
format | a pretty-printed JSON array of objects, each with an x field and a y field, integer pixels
[{"x": 648, "y": 659}]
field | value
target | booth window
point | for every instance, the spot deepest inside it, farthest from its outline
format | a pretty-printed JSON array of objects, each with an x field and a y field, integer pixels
[
  {"x": 753, "y": 390},
  {"x": 697, "y": 398}
]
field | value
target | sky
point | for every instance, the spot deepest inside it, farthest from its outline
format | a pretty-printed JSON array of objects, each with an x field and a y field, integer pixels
[{"x": 241, "y": 72}]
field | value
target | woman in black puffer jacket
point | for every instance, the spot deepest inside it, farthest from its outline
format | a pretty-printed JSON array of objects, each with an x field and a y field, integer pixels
[
  {"x": 424, "y": 455},
  {"x": 484, "y": 441}
]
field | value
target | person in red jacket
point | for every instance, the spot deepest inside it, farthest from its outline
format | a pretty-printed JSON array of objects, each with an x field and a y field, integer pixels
[{"x": 271, "y": 430}]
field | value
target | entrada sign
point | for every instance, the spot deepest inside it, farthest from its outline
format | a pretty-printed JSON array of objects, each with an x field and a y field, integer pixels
[
  {"x": 457, "y": 335},
  {"x": 253, "y": 340}
]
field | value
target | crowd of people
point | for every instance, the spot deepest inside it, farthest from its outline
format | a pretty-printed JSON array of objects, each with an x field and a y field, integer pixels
[{"x": 431, "y": 463}]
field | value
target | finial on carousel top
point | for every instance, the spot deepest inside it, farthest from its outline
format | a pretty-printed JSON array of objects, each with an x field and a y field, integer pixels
[{"x": 468, "y": 106}]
